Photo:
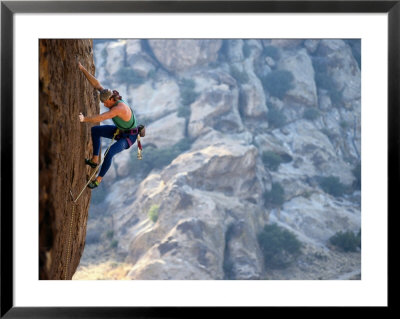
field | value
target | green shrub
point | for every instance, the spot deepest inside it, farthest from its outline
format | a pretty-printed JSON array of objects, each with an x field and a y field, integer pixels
[
  {"x": 275, "y": 197},
  {"x": 347, "y": 241},
  {"x": 188, "y": 94},
  {"x": 336, "y": 97},
  {"x": 114, "y": 243},
  {"x": 188, "y": 97},
  {"x": 311, "y": 114},
  {"x": 278, "y": 82},
  {"x": 276, "y": 118},
  {"x": 153, "y": 212},
  {"x": 272, "y": 52},
  {"x": 110, "y": 234},
  {"x": 332, "y": 186},
  {"x": 184, "y": 111},
  {"x": 329, "y": 133},
  {"x": 345, "y": 125},
  {"x": 227, "y": 267},
  {"x": 271, "y": 160},
  {"x": 188, "y": 84},
  {"x": 279, "y": 246},
  {"x": 325, "y": 81}
]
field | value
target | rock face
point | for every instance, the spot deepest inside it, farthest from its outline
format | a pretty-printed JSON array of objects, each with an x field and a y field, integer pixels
[
  {"x": 304, "y": 91},
  {"x": 181, "y": 55},
  {"x": 241, "y": 133},
  {"x": 64, "y": 142},
  {"x": 196, "y": 219}
]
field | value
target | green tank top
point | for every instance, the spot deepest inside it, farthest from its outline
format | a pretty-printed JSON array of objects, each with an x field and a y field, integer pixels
[{"x": 125, "y": 125}]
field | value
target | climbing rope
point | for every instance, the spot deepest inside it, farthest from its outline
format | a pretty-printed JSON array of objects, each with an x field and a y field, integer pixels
[{"x": 66, "y": 270}]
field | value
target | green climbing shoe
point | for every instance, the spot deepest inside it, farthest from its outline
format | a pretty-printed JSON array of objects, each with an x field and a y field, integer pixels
[
  {"x": 90, "y": 163},
  {"x": 93, "y": 184}
]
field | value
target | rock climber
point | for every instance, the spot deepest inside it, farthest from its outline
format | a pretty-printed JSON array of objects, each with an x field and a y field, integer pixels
[{"x": 124, "y": 119}]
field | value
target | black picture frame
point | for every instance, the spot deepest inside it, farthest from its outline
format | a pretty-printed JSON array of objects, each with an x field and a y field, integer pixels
[{"x": 9, "y": 8}]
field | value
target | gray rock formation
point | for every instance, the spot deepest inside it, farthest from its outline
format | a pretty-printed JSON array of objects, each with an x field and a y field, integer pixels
[
  {"x": 227, "y": 141},
  {"x": 181, "y": 55}
]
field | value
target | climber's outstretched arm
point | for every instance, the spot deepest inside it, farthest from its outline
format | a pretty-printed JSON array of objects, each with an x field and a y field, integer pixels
[
  {"x": 99, "y": 118},
  {"x": 113, "y": 112},
  {"x": 93, "y": 81}
]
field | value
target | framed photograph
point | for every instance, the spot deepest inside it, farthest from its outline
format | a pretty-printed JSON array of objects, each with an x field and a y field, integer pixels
[{"x": 165, "y": 157}]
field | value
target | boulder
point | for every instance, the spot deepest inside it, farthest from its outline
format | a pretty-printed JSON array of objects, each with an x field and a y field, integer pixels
[
  {"x": 138, "y": 60},
  {"x": 133, "y": 47},
  {"x": 181, "y": 55},
  {"x": 311, "y": 45},
  {"x": 318, "y": 155},
  {"x": 198, "y": 208},
  {"x": 304, "y": 91},
  {"x": 319, "y": 217},
  {"x": 286, "y": 43},
  {"x": 253, "y": 101},
  {"x": 166, "y": 131},
  {"x": 216, "y": 108},
  {"x": 214, "y": 168},
  {"x": 342, "y": 68},
  {"x": 155, "y": 99},
  {"x": 234, "y": 50}
]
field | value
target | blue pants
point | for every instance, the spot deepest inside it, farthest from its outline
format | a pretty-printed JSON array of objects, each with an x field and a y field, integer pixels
[{"x": 108, "y": 131}]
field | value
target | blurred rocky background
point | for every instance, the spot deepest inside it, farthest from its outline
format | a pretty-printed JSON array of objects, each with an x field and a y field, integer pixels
[{"x": 251, "y": 162}]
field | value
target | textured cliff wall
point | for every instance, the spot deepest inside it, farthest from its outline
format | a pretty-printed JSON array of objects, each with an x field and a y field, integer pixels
[{"x": 64, "y": 142}]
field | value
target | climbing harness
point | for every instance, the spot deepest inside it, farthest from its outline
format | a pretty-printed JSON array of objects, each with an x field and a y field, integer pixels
[{"x": 126, "y": 134}]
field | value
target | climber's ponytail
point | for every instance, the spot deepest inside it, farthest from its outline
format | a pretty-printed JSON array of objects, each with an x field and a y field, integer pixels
[{"x": 116, "y": 96}]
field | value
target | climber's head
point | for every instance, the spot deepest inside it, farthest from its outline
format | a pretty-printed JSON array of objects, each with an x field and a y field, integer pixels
[{"x": 109, "y": 97}]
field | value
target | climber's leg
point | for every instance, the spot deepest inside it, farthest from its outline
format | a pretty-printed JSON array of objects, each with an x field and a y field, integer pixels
[
  {"x": 116, "y": 148},
  {"x": 97, "y": 132}
]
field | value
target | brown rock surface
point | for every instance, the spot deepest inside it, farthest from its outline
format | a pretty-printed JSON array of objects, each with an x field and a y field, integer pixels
[{"x": 64, "y": 142}]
